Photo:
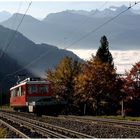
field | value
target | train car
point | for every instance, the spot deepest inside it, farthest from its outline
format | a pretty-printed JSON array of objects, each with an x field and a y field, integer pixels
[{"x": 34, "y": 95}]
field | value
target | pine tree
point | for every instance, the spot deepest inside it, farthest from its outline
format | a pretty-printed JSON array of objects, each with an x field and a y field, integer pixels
[{"x": 103, "y": 53}]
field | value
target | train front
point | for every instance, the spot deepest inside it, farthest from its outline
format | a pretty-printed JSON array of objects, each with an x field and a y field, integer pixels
[{"x": 39, "y": 98}]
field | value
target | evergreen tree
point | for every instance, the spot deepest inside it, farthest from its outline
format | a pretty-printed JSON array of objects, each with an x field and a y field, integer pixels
[{"x": 103, "y": 53}]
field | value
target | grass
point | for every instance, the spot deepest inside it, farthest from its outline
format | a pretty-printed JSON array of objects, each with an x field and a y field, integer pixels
[
  {"x": 2, "y": 132},
  {"x": 7, "y": 107},
  {"x": 121, "y": 118}
]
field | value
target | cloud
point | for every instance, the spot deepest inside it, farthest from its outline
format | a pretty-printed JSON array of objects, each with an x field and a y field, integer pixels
[{"x": 123, "y": 60}]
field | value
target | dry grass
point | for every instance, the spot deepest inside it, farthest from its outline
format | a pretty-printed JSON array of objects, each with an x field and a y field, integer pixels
[{"x": 2, "y": 132}]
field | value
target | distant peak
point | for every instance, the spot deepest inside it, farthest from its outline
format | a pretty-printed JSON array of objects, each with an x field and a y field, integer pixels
[
  {"x": 17, "y": 14},
  {"x": 29, "y": 17},
  {"x": 123, "y": 7}
]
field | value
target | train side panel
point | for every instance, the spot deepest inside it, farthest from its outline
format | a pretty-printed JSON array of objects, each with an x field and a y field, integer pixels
[{"x": 18, "y": 97}]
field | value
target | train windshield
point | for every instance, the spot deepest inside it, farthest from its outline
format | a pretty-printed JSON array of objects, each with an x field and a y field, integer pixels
[
  {"x": 43, "y": 89},
  {"x": 37, "y": 89},
  {"x": 32, "y": 89}
]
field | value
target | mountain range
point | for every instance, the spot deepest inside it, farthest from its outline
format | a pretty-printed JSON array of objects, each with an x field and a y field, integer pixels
[
  {"x": 62, "y": 29},
  {"x": 36, "y": 58}
]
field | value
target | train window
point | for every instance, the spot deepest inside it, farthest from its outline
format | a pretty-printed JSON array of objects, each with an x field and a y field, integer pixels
[
  {"x": 22, "y": 91},
  {"x": 32, "y": 89},
  {"x": 19, "y": 91},
  {"x": 43, "y": 89},
  {"x": 13, "y": 93}
]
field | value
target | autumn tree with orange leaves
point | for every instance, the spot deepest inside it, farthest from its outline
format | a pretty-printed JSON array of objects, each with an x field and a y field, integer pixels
[
  {"x": 97, "y": 87},
  {"x": 132, "y": 90},
  {"x": 62, "y": 79}
]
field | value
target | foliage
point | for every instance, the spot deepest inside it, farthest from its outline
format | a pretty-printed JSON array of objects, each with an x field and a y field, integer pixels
[
  {"x": 94, "y": 87},
  {"x": 132, "y": 90},
  {"x": 62, "y": 78},
  {"x": 103, "y": 53},
  {"x": 97, "y": 86}
]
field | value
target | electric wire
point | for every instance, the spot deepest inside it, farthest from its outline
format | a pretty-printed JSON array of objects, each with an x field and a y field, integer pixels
[
  {"x": 100, "y": 26},
  {"x": 13, "y": 37},
  {"x": 15, "y": 32},
  {"x": 8, "y": 37},
  {"x": 43, "y": 54},
  {"x": 81, "y": 24}
]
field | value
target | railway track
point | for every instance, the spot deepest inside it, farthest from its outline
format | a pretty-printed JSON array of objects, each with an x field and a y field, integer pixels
[
  {"x": 42, "y": 128},
  {"x": 13, "y": 129},
  {"x": 90, "y": 119},
  {"x": 96, "y": 127},
  {"x": 103, "y": 128}
]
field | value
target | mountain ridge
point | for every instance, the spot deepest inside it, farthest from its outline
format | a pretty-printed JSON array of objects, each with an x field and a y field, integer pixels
[
  {"x": 63, "y": 28},
  {"x": 8, "y": 77},
  {"x": 39, "y": 57}
]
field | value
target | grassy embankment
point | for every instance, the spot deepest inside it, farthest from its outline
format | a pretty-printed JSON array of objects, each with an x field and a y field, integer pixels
[{"x": 121, "y": 118}]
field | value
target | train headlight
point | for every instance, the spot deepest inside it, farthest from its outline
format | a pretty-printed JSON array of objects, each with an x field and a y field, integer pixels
[{"x": 33, "y": 103}]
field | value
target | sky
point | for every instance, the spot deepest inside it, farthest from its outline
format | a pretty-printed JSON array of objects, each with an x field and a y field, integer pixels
[{"x": 41, "y": 9}]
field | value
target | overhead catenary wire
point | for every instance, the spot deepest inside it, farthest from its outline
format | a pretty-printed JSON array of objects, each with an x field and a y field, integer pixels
[
  {"x": 100, "y": 26},
  {"x": 18, "y": 10},
  {"x": 26, "y": 66},
  {"x": 76, "y": 28},
  {"x": 86, "y": 19},
  {"x": 43, "y": 54},
  {"x": 9, "y": 35},
  {"x": 15, "y": 32}
]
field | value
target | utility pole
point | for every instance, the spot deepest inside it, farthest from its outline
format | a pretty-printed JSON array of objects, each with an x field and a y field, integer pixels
[
  {"x": 122, "y": 111},
  {"x": 85, "y": 109},
  {"x": 122, "y": 104}
]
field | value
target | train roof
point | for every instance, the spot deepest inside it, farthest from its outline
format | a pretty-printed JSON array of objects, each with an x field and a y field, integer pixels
[{"x": 30, "y": 81}]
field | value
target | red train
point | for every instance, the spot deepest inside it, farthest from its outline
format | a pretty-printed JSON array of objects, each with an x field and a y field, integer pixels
[{"x": 34, "y": 95}]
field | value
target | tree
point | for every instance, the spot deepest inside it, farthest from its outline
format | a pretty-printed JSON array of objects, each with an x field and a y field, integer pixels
[
  {"x": 103, "y": 53},
  {"x": 132, "y": 89},
  {"x": 62, "y": 78},
  {"x": 96, "y": 87}
]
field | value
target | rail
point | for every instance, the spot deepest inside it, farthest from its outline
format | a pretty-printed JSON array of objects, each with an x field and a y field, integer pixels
[
  {"x": 45, "y": 128},
  {"x": 20, "y": 134}
]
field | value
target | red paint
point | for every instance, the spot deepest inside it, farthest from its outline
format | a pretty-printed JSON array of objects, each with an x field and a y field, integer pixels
[{"x": 20, "y": 101}]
